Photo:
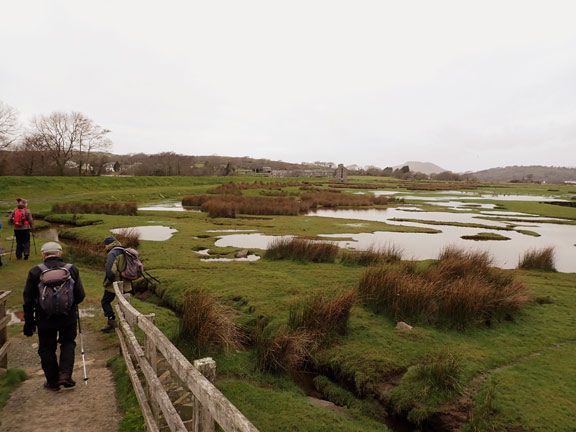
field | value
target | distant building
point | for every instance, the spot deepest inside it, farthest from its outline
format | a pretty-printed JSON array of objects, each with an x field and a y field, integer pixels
[{"x": 341, "y": 173}]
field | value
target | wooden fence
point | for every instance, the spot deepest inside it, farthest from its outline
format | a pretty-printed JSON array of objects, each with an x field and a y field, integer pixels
[
  {"x": 209, "y": 406},
  {"x": 4, "y": 320}
]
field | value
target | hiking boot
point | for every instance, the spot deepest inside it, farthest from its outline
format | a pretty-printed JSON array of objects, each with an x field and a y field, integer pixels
[
  {"x": 110, "y": 326},
  {"x": 26, "y": 257},
  {"x": 66, "y": 380},
  {"x": 52, "y": 386}
]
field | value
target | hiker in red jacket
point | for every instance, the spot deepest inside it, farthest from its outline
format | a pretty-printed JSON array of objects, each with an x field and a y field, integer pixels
[{"x": 23, "y": 223}]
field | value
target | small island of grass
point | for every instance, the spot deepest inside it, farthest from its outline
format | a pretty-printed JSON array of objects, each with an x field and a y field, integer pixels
[{"x": 485, "y": 236}]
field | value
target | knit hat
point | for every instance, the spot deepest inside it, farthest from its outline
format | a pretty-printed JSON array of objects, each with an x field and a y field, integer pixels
[
  {"x": 51, "y": 248},
  {"x": 109, "y": 239}
]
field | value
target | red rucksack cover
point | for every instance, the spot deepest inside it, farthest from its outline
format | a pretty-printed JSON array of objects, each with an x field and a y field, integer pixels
[{"x": 20, "y": 217}]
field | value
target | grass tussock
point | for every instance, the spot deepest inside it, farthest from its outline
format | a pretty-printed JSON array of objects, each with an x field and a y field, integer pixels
[
  {"x": 372, "y": 256},
  {"x": 129, "y": 237},
  {"x": 426, "y": 387},
  {"x": 208, "y": 324},
  {"x": 231, "y": 205},
  {"x": 284, "y": 349},
  {"x": 322, "y": 316},
  {"x": 303, "y": 250},
  {"x": 460, "y": 290},
  {"x": 337, "y": 199},
  {"x": 113, "y": 208},
  {"x": 86, "y": 252},
  {"x": 538, "y": 259}
]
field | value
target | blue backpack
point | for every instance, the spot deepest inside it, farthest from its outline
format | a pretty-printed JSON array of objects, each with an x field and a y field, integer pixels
[{"x": 56, "y": 290}]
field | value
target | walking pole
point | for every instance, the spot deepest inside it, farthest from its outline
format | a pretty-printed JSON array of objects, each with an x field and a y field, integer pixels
[
  {"x": 82, "y": 346},
  {"x": 12, "y": 247},
  {"x": 34, "y": 240}
]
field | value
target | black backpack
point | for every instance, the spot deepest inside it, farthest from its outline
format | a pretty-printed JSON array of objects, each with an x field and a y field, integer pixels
[{"x": 56, "y": 290}]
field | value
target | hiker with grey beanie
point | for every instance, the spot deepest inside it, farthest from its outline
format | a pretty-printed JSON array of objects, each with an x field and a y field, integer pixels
[
  {"x": 115, "y": 262},
  {"x": 55, "y": 319}
]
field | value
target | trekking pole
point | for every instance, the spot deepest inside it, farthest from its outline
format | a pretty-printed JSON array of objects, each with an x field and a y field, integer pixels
[
  {"x": 12, "y": 247},
  {"x": 34, "y": 240},
  {"x": 82, "y": 346}
]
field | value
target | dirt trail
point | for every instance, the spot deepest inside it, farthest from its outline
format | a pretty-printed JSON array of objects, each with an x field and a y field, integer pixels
[{"x": 87, "y": 408}]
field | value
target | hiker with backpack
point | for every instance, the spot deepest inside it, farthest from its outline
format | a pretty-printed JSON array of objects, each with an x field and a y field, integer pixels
[
  {"x": 53, "y": 291},
  {"x": 23, "y": 223},
  {"x": 122, "y": 264}
]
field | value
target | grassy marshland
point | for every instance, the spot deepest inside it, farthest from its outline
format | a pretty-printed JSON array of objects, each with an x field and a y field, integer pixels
[{"x": 504, "y": 364}]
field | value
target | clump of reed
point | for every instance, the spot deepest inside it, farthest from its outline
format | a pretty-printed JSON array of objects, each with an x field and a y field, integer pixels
[
  {"x": 538, "y": 259},
  {"x": 372, "y": 256},
  {"x": 231, "y": 205},
  {"x": 209, "y": 324},
  {"x": 113, "y": 208},
  {"x": 322, "y": 316},
  {"x": 195, "y": 200},
  {"x": 86, "y": 252},
  {"x": 129, "y": 237},
  {"x": 460, "y": 290},
  {"x": 281, "y": 349},
  {"x": 303, "y": 250},
  {"x": 336, "y": 199}
]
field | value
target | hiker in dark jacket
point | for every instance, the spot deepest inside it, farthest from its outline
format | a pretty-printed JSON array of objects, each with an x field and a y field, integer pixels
[
  {"x": 115, "y": 263},
  {"x": 56, "y": 328},
  {"x": 23, "y": 223}
]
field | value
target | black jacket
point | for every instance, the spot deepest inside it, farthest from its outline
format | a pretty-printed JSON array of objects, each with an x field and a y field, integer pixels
[{"x": 33, "y": 311}]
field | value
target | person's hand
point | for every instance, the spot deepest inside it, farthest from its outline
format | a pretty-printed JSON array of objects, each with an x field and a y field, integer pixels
[{"x": 29, "y": 328}]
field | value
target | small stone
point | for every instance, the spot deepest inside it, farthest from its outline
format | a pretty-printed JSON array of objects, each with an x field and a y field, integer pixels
[
  {"x": 402, "y": 326},
  {"x": 241, "y": 254}
]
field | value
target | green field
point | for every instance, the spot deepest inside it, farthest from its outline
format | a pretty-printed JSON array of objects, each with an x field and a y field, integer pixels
[{"x": 514, "y": 375}]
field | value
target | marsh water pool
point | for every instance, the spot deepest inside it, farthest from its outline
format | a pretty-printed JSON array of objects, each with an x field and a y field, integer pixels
[
  {"x": 149, "y": 232},
  {"x": 421, "y": 246}
]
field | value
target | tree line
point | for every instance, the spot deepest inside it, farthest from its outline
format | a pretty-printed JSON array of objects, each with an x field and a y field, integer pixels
[{"x": 52, "y": 144}]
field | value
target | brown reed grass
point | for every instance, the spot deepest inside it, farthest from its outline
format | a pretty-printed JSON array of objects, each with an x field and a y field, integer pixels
[
  {"x": 129, "y": 237},
  {"x": 461, "y": 289},
  {"x": 322, "y": 316},
  {"x": 114, "y": 208},
  {"x": 209, "y": 324},
  {"x": 372, "y": 256},
  {"x": 538, "y": 259},
  {"x": 303, "y": 250},
  {"x": 283, "y": 349}
]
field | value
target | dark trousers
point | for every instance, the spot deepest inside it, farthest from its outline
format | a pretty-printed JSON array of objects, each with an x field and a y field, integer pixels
[
  {"x": 106, "y": 303},
  {"x": 22, "y": 242},
  {"x": 48, "y": 338}
]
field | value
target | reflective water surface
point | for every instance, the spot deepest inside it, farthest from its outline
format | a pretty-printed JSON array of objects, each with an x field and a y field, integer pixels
[{"x": 151, "y": 232}]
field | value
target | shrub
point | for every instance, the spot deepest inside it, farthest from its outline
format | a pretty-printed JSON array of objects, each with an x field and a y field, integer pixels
[
  {"x": 208, "y": 324},
  {"x": 304, "y": 250},
  {"x": 372, "y": 256},
  {"x": 322, "y": 316},
  {"x": 538, "y": 259}
]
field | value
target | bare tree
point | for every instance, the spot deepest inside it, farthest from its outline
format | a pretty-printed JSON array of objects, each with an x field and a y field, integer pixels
[
  {"x": 63, "y": 136},
  {"x": 8, "y": 125}
]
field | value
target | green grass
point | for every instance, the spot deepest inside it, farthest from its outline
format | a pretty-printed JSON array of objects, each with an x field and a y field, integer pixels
[
  {"x": 9, "y": 381},
  {"x": 530, "y": 356},
  {"x": 485, "y": 236}
]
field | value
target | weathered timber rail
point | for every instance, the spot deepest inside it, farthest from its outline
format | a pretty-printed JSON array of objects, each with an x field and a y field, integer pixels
[
  {"x": 210, "y": 405},
  {"x": 4, "y": 320}
]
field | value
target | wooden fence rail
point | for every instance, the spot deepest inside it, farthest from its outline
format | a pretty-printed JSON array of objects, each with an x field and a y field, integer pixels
[
  {"x": 4, "y": 320},
  {"x": 210, "y": 405}
]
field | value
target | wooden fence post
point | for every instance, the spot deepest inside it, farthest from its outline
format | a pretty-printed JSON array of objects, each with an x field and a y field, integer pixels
[
  {"x": 4, "y": 320},
  {"x": 203, "y": 421}
]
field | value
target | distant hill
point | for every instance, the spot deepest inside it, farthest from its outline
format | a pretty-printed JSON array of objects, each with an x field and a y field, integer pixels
[
  {"x": 536, "y": 173},
  {"x": 422, "y": 167}
]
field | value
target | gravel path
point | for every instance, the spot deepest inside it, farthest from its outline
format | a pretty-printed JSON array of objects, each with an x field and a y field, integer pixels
[{"x": 87, "y": 408}]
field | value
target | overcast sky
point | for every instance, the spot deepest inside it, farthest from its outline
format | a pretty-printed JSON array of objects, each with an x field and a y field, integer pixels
[{"x": 467, "y": 85}]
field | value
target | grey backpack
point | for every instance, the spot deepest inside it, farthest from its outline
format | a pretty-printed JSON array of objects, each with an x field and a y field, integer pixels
[{"x": 56, "y": 290}]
